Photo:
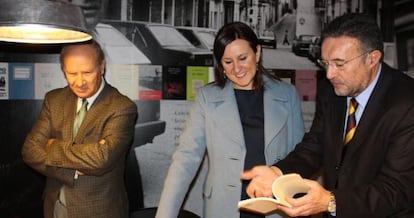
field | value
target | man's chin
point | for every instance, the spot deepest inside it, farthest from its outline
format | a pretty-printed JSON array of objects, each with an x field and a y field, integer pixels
[
  {"x": 81, "y": 94},
  {"x": 341, "y": 92}
]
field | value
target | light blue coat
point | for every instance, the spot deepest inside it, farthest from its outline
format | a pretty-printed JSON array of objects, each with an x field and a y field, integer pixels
[{"x": 214, "y": 126}]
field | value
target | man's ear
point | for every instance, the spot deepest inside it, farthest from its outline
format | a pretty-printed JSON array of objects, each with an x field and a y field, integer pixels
[
  {"x": 103, "y": 65},
  {"x": 375, "y": 57}
]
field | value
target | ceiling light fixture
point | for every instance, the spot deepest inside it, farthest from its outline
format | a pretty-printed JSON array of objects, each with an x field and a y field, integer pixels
[{"x": 42, "y": 22}]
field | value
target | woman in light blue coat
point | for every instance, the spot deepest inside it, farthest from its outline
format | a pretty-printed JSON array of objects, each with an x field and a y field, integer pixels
[{"x": 246, "y": 117}]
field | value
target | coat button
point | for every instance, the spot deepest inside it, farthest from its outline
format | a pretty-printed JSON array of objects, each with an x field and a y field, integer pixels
[{"x": 337, "y": 167}]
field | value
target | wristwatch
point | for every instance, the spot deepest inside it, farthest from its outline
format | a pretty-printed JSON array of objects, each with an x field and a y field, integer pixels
[{"x": 332, "y": 204}]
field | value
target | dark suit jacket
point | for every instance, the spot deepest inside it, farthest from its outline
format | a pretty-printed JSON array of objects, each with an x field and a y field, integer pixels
[
  {"x": 376, "y": 176},
  {"x": 100, "y": 192}
]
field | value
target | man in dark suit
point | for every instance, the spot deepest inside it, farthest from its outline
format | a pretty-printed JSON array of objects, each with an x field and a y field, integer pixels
[
  {"x": 85, "y": 170},
  {"x": 372, "y": 173}
]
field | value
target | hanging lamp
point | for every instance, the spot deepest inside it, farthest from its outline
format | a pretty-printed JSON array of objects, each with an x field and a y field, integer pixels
[{"x": 42, "y": 22}]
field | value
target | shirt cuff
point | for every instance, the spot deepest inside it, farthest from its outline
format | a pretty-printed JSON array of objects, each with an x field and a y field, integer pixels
[{"x": 76, "y": 175}]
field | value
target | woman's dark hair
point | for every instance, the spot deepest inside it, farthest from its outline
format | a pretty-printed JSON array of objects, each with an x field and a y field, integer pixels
[{"x": 227, "y": 34}]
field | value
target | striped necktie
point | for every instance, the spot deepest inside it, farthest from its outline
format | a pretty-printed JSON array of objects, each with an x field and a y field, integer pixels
[
  {"x": 351, "y": 121},
  {"x": 79, "y": 116}
]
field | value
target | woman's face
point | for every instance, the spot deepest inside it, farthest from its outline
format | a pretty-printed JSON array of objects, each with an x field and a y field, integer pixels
[{"x": 239, "y": 63}]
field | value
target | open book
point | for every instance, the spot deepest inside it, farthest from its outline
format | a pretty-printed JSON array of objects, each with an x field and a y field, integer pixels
[{"x": 285, "y": 185}]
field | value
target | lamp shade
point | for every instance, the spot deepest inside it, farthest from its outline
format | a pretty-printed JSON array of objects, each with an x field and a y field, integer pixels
[{"x": 41, "y": 21}]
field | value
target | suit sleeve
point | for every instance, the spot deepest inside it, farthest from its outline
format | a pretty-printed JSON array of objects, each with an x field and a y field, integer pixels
[
  {"x": 34, "y": 151},
  {"x": 186, "y": 160},
  {"x": 92, "y": 157},
  {"x": 115, "y": 124}
]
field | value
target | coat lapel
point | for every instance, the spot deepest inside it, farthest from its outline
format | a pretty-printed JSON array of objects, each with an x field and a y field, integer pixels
[
  {"x": 226, "y": 114},
  {"x": 275, "y": 112},
  {"x": 69, "y": 113},
  {"x": 339, "y": 117},
  {"x": 372, "y": 112},
  {"x": 93, "y": 113}
]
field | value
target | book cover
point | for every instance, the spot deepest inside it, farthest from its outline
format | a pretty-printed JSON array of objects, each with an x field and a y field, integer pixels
[
  {"x": 305, "y": 81},
  {"x": 174, "y": 80},
  {"x": 21, "y": 81},
  {"x": 4, "y": 80},
  {"x": 47, "y": 76},
  {"x": 125, "y": 78},
  {"x": 150, "y": 78},
  {"x": 196, "y": 78}
]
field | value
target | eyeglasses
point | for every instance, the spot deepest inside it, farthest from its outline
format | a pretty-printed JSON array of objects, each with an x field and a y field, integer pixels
[{"x": 338, "y": 64}]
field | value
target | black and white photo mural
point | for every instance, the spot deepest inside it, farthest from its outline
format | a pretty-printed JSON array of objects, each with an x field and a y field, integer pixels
[{"x": 159, "y": 52}]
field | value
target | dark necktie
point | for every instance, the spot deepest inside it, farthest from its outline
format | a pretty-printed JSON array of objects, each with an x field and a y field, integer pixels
[
  {"x": 79, "y": 116},
  {"x": 351, "y": 121}
]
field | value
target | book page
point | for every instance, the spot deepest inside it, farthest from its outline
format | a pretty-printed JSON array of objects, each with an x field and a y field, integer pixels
[
  {"x": 286, "y": 185},
  {"x": 261, "y": 205}
]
